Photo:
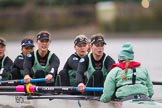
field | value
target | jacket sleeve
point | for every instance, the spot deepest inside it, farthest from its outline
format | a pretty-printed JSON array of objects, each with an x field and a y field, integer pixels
[
  {"x": 149, "y": 85},
  {"x": 17, "y": 66},
  {"x": 28, "y": 63},
  {"x": 82, "y": 68},
  {"x": 109, "y": 62},
  {"x": 109, "y": 87},
  {"x": 8, "y": 63},
  {"x": 54, "y": 65},
  {"x": 71, "y": 63}
]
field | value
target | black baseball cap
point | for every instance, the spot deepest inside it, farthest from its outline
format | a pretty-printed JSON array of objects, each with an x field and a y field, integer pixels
[
  {"x": 80, "y": 39},
  {"x": 2, "y": 41},
  {"x": 98, "y": 39},
  {"x": 43, "y": 36},
  {"x": 27, "y": 42}
]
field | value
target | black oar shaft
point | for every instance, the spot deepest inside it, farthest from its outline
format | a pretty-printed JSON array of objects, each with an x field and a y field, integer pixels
[
  {"x": 29, "y": 88},
  {"x": 69, "y": 97},
  {"x": 13, "y": 93},
  {"x": 53, "y": 89},
  {"x": 10, "y": 82},
  {"x": 156, "y": 83},
  {"x": 7, "y": 88}
]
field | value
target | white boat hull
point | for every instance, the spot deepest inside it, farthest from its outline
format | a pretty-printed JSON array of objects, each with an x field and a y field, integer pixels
[
  {"x": 22, "y": 102},
  {"x": 141, "y": 104}
]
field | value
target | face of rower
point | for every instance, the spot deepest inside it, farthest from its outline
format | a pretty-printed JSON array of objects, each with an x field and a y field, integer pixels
[
  {"x": 27, "y": 49},
  {"x": 2, "y": 50},
  {"x": 43, "y": 45},
  {"x": 81, "y": 49},
  {"x": 98, "y": 49}
]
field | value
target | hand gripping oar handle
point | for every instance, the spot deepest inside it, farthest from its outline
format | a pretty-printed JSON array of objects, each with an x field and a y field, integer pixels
[
  {"x": 12, "y": 82},
  {"x": 35, "y": 80},
  {"x": 69, "y": 89},
  {"x": 90, "y": 89}
]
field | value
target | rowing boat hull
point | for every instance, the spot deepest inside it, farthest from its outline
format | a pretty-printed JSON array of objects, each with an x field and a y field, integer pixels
[
  {"x": 141, "y": 104},
  {"x": 22, "y": 102}
]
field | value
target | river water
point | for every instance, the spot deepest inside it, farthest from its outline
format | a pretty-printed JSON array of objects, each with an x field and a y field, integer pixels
[{"x": 147, "y": 50}]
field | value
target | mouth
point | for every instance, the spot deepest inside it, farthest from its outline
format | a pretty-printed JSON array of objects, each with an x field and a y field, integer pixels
[
  {"x": 82, "y": 51},
  {"x": 44, "y": 47},
  {"x": 99, "y": 51}
]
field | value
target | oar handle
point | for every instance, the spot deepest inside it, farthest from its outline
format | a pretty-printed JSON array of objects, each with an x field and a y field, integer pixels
[
  {"x": 12, "y": 82},
  {"x": 90, "y": 89},
  {"x": 96, "y": 89},
  {"x": 35, "y": 80}
]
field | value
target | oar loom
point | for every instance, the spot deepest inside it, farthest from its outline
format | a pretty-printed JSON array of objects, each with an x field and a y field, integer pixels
[
  {"x": 29, "y": 88},
  {"x": 21, "y": 81},
  {"x": 14, "y": 82}
]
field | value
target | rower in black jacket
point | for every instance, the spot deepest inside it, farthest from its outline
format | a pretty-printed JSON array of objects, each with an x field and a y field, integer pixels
[
  {"x": 95, "y": 66},
  {"x": 67, "y": 76},
  {"x": 42, "y": 62},
  {"x": 5, "y": 62},
  {"x": 27, "y": 46}
]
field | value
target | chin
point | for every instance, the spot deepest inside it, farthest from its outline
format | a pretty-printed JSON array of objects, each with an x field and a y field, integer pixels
[
  {"x": 44, "y": 49},
  {"x": 100, "y": 54}
]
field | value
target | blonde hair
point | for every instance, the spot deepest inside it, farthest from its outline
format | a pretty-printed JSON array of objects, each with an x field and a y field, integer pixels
[{"x": 126, "y": 65}]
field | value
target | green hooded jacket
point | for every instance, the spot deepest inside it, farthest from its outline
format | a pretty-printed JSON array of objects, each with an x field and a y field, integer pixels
[{"x": 114, "y": 80}]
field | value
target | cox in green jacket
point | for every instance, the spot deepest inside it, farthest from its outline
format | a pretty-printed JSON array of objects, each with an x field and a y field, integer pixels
[{"x": 127, "y": 77}]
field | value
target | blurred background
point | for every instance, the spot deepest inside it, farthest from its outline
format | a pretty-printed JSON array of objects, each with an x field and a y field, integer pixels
[{"x": 67, "y": 18}]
